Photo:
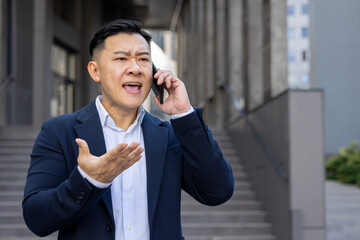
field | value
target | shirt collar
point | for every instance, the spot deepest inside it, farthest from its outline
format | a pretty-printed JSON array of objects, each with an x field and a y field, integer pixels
[{"x": 106, "y": 120}]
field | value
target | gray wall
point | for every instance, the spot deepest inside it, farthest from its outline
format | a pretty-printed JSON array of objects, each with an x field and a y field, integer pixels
[
  {"x": 335, "y": 66},
  {"x": 291, "y": 127}
]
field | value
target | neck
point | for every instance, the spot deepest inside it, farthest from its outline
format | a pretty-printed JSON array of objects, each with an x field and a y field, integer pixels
[{"x": 123, "y": 118}]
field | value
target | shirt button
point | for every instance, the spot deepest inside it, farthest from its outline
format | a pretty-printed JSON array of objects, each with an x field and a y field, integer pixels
[
  {"x": 127, "y": 197},
  {"x": 109, "y": 227},
  {"x": 129, "y": 227}
]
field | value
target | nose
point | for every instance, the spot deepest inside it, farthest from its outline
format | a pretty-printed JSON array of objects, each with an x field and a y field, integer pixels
[{"x": 134, "y": 68}]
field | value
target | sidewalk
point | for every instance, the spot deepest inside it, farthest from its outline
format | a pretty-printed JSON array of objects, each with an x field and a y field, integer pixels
[{"x": 342, "y": 211}]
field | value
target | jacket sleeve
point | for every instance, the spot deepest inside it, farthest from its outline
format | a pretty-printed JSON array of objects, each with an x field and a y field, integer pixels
[
  {"x": 55, "y": 194},
  {"x": 207, "y": 176}
]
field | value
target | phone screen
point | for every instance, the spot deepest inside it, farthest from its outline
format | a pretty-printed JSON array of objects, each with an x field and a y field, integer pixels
[{"x": 157, "y": 89}]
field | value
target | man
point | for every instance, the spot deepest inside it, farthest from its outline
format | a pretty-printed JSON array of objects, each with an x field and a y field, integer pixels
[{"x": 113, "y": 171}]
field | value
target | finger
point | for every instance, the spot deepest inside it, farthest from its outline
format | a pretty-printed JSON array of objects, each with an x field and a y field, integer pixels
[
  {"x": 157, "y": 102},
  {"x": 162, "y": 77},
  {"x": 114, "y": 152},
  {"x": 137, "y": 152},
  {"x": 157, "y": 73},
  {"x": 83, "y": 147},
  {"x": 132, "y": 161},
  {"x": 129, "y": 149},
  {"x": 168, "y": 81}
]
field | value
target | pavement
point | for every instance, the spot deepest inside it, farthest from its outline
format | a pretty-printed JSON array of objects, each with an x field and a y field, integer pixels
[{"x": 342, "y": 211}]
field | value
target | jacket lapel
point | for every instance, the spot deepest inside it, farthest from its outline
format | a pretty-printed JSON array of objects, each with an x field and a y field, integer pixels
[
  {"x": 155, "y": 140},
  {"x": 90, "y": 130}
]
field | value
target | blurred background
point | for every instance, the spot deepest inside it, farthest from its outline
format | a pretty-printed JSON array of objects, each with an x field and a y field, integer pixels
[{"x": 278, "y": 81}]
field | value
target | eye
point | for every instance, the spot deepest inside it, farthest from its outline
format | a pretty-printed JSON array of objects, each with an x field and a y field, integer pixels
[
  {"x": 144, "y": 59},
  {"x": 121, "y": 59}
]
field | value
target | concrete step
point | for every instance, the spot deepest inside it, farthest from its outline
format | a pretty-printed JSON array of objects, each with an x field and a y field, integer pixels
[
  {"x": 10, "y": 206},
  {"x": 19, "y": 231},
  {"x": 15, "y": 158},
  {"x": 52, "y": 237},
  {"x": 16, "y": 143},
  {"x": 17, "y": 136},
  {"x": 231, "y": 205},
  {"x": 223, "y": 216},
  {"x": 15, "y": 165},
  {"x": 225, "y": 229},
  {"x": 7, "y": 195},
  {"x": 15, "y": 150},
  {"x": 244, "y": 237},
  {"x": 238, "y": 195}
]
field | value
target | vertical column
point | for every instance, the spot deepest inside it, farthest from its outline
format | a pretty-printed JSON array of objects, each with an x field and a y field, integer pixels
[
  {"x": 191, "y": 56},
  {"x": 200, "y": 53},
  {"x": 41, "y": 63},
  {"x": 210, "y": 49},
  {"x": 221, "y": 60},
  {"x": 85, "y": 88},
  {"x": 235, "y": 54},
  {"x": 275, "y": 47},
  {"x": 210, "y": 62},
  {"x": 187, "y": 51},
  {"x": 278, "y": 55},
  {"x": 254, "y": 56},
  {"x": 2, "y": 75}
]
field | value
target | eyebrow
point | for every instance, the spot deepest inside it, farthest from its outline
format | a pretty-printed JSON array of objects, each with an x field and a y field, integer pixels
[{"x": 128, "y": 53}]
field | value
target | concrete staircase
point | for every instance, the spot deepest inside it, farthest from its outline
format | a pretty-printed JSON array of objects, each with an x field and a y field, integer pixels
[
  {"x": 15, "y": 147},
  {"x": 241, "y": 218}
]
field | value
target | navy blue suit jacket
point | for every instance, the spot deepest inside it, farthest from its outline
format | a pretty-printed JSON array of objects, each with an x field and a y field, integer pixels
[{"x": 180, "y": 155}]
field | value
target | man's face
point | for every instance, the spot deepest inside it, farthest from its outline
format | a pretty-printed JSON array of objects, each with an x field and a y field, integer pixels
[{"x": 124, "y": 70}]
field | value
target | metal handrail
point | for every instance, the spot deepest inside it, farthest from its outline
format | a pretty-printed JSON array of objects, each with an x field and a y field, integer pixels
[
  {"x": 254, "y": 131},
  {"x": 5, "y": 83}
]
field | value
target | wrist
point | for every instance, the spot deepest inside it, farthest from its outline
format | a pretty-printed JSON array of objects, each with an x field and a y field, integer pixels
[{"x": 182, "y": 114}]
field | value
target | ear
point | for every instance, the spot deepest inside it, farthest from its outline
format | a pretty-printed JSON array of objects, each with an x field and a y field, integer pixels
[{"x": 93, "y": 69}]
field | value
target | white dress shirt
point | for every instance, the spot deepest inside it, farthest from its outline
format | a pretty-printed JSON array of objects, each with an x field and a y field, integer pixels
[{"x": 129, "y": 189}]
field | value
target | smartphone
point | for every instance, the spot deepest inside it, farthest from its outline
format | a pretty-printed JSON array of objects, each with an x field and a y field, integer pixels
[{"x": 157, "y": 89}]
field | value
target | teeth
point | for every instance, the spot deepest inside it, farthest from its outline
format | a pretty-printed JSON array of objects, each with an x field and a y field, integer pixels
[{"x": 132, "y": 84}]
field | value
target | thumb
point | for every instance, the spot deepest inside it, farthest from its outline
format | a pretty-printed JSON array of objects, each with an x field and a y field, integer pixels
[{"x": 83, "y": 147}]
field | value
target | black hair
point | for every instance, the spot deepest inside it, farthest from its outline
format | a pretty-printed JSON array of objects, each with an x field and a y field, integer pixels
[{"x": 113, "y": 28}]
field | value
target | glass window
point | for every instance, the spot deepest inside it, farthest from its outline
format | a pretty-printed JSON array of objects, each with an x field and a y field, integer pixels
[
  {"x": 291, "y": 56},
  {"x": 305, "y": 80},
  {"x": 292, "y": 81},
  {"x": 290, "y": 10},
  {"x": 305, "y": 32},
  {"x": 63, "y": 69},
  {"x": 291, "y": 33},
  {"x": 305, "y": 9},
  {"x": 305, "y": 55}
]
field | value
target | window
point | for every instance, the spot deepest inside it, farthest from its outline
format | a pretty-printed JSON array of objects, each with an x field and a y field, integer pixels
[
  {"x": 291, "y": 56},
  {"x": 305, "y": 9},
  {"x": 305, "y": 80},
  {"x": 291, "y": 33},
  {"x": 290, "y": 10},
  {"x": 292, "y": 81},
  {"x": 305, "y": 32},
  {"x": 305, "y": 55},
  {"x": 63, "y": 70}
]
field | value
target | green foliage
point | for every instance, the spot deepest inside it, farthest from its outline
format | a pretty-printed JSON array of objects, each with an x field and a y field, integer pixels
[{"x": 345, "y": 166}]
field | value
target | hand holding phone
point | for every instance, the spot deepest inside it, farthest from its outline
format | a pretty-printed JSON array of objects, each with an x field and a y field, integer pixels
[{"x": 157, "y": 89}]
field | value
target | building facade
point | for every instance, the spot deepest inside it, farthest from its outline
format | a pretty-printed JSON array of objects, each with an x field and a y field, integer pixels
[{"x": 298, "y": 34}]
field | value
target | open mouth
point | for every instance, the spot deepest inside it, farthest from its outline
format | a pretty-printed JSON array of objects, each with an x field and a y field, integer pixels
[{"x": 132, "y": 87}]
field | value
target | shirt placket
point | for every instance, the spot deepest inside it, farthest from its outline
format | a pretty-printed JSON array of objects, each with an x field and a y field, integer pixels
[{"x": 127, "y": 196}]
